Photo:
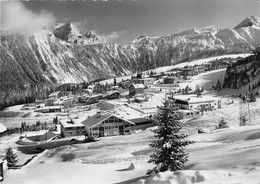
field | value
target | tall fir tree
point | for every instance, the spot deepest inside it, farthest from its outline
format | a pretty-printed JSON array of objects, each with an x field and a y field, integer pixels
[
  {"x": 169, "y": 143},
  {"x": 11, "y": 158}
]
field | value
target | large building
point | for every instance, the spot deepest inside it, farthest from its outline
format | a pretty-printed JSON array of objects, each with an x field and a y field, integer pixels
[
  {"x": 107, "y": 124},
  {"x": 136, "y": 89},
  {"x": 55, "y": 95},
  {"x": 71, "y": 128},
  {"x": 204, "y": 103},
  {"x": 144, "y": 81}
]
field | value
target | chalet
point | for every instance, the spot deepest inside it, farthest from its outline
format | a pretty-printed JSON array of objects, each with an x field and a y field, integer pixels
[
  {"x": 184, "y": 114},
  {"x": 83, "y": 98},
  {"x": 144, "y": 81},
  {"x": 187, "y": 72},
  {"x": 107, "y": 124},
  {"x": 111, "y": 95},
  {"x": 71, "y": 128},
  {"x": 92, "y": 86},
  {"x": 93, "y": 99},
  {"x": 193, "y": 103},
  {"x": 49, "y": 109},
  {"x": 136, "y": 89},
  {"x": 199, "y": 69},
  {"x": 49, "y": 101},
  {"x": 55, "y": 95},
  {"x": 88, "y": 91}
]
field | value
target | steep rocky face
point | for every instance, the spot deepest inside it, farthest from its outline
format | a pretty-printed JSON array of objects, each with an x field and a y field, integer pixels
[
  {"x": 71, "y": 33},
  {"x": 248, "y": 22},
  {"x": 31, "y": 65}
]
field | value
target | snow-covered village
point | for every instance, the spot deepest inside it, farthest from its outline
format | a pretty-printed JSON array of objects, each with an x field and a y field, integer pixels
[{"x": 85, "y": 104}]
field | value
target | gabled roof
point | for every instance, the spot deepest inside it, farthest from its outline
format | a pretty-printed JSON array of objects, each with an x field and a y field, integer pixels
[
  {"x": 99, "y": 117},
  {"x": 138, "y": 85},
  {"x": 140, "y": 120},
  {"x": 47, "y": 136},
  {"x": 111, "y": 93},
  {"x": 54, "y": 93}
]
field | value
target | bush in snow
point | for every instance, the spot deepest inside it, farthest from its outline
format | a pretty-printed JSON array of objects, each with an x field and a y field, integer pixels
[{"x": 168, "y": 142}]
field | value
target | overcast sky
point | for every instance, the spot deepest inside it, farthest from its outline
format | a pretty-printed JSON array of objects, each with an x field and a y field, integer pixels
[{"x": 122, "y": 21}]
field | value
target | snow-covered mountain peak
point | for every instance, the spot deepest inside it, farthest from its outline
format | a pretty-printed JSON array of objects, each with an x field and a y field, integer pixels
[
  {"x": 66, "y": 31},
  {"x": 249, "y": 21},
  {"x": 69, "y": 32}
]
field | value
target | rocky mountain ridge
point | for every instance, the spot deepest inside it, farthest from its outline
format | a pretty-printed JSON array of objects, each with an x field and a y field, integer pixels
[{"x": 30, "y": 65}]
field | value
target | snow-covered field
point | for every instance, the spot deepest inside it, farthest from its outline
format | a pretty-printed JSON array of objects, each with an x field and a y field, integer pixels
[
  {"x": 229, "y": 155},
  {"x": 223, "y": 156},
  {"x": 180, "y": 65}
]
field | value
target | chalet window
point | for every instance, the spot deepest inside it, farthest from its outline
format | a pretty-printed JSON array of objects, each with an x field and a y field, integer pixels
[
  {"x": 116, "y": 126},
  {"x": 95, "y": 128},
  {"x": 111, "y": 120},
  {"x": 106, "y": 127}
]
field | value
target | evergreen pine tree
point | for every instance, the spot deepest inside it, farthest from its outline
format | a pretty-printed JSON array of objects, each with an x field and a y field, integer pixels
[
  {"x": 169, "y": 143},
  {"x": 11, "y": 158}
]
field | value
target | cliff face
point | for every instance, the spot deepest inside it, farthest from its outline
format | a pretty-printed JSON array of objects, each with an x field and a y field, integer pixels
[{"x": 30, "y": 65}]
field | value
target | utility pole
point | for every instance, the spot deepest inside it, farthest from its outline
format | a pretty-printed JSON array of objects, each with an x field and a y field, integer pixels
[{"x": 244, "y": 111}]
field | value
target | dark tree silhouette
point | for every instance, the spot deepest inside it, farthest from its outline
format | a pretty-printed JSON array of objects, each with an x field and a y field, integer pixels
[{"x": 169, "y": 143}]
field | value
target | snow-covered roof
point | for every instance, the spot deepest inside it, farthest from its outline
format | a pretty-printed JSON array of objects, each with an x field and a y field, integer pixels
[
  {"x": 2, "y": 128},
  {"x": 47, "y": 136},
  {"x": 66, "y": 123},
  {"x": 54, "y": 93},
  {"x": 99, "y": 117},
  {"x": 194, "y": 99},
  {"x": 138, "y": 85}
]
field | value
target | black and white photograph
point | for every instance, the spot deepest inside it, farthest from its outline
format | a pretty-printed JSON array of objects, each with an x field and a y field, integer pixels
[{"x": 130, "y": 91}]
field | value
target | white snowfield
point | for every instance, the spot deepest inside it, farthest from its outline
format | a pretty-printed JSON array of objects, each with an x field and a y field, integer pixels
[
  {"x": 228, "y": 155},
  {"x": 224, "y": 156},
  {"x": 180, "y": 65}
]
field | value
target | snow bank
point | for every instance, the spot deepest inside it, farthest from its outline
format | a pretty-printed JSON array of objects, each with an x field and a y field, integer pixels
[{"x": 184, "y": 177}]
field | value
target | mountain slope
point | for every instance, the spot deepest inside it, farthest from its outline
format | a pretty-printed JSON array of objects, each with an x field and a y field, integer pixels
[
  {"x": 244, "y": 72},
  {"x": 30, "y": 66}
]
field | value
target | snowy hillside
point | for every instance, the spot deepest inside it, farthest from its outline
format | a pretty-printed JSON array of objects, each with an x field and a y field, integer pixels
[{"x": 46, "y": 59}]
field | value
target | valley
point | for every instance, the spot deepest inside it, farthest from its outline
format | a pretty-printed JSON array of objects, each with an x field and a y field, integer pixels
[{"x": 130, "y": 92}]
